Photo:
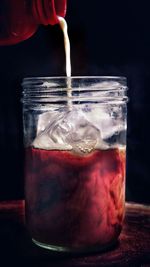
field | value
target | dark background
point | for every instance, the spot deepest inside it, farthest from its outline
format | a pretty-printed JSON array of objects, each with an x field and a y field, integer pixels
[{"x": 107, "y": 38}]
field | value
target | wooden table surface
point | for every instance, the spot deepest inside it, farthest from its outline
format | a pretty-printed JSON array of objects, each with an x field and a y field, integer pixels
[{"x": 17, "y": 249}]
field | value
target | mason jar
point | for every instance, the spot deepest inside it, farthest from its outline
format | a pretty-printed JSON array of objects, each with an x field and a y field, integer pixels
[{"x": 75, "y": 158}]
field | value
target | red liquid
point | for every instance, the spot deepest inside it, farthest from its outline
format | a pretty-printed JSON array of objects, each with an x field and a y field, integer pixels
[{"x": 75, "y": 201}]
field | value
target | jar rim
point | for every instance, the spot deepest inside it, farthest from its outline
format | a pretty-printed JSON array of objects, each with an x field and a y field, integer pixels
[
  {"x": 111, "y": 82},
  {"x": 123, "y": 78}
]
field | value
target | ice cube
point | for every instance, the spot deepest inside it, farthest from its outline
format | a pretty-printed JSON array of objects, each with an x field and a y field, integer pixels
[
  {"x": 105, "y": 120},
  {"x": 83, "y": 135},
  {"x": 67, "y": 130}
]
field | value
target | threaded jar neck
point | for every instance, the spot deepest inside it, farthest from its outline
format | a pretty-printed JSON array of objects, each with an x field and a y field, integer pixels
[
  {"x": 47, "y": 11},
  {"x": 97, "y": 90}
]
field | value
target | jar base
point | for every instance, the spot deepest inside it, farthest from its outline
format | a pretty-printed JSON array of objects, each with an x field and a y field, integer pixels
[{"x": 61, "y": 249}]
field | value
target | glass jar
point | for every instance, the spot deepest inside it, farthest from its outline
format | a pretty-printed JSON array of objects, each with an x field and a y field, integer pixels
[
  {"x": 19, "y": 19},
  {"x": 75, "y": 157}
]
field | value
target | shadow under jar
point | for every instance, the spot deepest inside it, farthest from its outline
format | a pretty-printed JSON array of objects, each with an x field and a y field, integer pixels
[{"x": 75, "y": 150}]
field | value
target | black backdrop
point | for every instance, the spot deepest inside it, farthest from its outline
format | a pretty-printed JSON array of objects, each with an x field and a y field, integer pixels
[{"x": 107, "y": 38}]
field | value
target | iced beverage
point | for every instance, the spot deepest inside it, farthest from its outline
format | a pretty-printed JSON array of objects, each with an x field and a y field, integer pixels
[
  {"x": 73, "y": 201},
  {"x": 75, "y": 146}
]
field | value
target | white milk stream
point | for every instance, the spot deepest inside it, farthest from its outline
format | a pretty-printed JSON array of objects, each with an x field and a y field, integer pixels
[{"x": 63, "y": 25}]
